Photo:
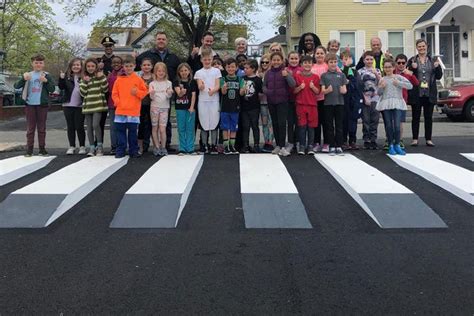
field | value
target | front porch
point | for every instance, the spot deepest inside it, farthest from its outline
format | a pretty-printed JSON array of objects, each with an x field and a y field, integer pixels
[{"x": 448, "y": 27}]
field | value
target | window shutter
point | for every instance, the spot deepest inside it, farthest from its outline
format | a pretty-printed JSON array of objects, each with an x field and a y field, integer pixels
[
  {"x": 334, "y": 35},
  {"x": 384, "y": 39},
  {"x": 360, "y": 44},
  {"x": 409, "y": 50}
]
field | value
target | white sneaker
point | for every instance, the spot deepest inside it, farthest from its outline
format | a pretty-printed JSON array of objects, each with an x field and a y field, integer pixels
[
  {"x": 289, "y": 147},
  {"x": 284, "y": 152},
  {"x": 82, "y": 150},
  {"x": 276, "y": 150},
  {"x": 339, "y": 151},
  {"x": 70, "y": 151},
  {"x": 99, "y": 151},
  {"x": 91, "y": 151},
  {"x": 332, "y": 151}
]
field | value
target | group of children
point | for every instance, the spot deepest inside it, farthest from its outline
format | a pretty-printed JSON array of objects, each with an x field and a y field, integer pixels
[{"x": 309, "y": 102}]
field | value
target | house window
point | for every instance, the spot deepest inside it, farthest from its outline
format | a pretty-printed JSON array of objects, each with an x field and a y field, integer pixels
[
  {"x": 370, "y": 1},
  {"x": 395, "y": 43},
  {"x": 348, "y": 38}
]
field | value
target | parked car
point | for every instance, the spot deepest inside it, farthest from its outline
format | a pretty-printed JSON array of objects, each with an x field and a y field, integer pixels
[
  {"x": 56, "y": 97},
  {"x": 457, "y": 102},
  {"x": 7, "y": 92}
]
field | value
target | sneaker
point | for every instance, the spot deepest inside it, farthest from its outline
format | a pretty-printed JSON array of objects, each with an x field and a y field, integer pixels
[
  {"x": 220, "y": 149},
  {"x": 311, "y": 150},
  {"x": 245, "y": 149},
  {"x": 300, "y": 150},
  {"x": 192, "y": 153},
  {"x": 339, "y": 151},
  {"x": 181, "y": 153},
  {"x": 385, "y": 145},
  {"x": 366, "y": 145},
  {"x": 91, "y": 151},
  {"x": 82, "y": 150},
  {"x": 137, "y": 155},
  {"x": 213, "y": 150},
  {"x": 391, "y": 150},
  {"x": 325, "y": 148},
  {"x": 227, "y": 150},
  {"x": 284, "y": 152},
  {"x": 43, "y": 152},
  {"x": 332, "y": 151},
  {"x": 112, "y": 151},
  {"x": 399, "y": 150},
  {"x": 257, "y": 149},
  {"x": 317, "y": 147},
  {"x": 373, "y": 146},
  {"x": 289, "y": 147},
  {"x": 202, "y": 149},
  {"x": 233, "y": 150},
  {"x": 267, "y": 148},
  {"x": 29, "y": 153},
  {"x": 119, "y": 156},
  {"x": 163, "y": 152},
  {"x": 344, "y": 146},
  {"x": 99, "y": 151},
  {"x": 276, "y": 150},
  {"x": 402, "y": 145},
  {"x": 169, "y": 149},
  {"x": 156, "y": 152},
  {"x": 353, "y": 146},
  {"x": 70, "y": 151}
]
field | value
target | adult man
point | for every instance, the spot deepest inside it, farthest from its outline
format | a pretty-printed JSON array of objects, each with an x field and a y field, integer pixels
[
  {"x": 105, "y": 62},
  {"x": 195, "y": 59},
  {"x": 160, "y": 53},
  {"x": 379, "y": 56}
]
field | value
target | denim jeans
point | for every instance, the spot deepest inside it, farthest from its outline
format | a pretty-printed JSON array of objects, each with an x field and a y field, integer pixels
[
  {"x": 126, "y": 131},
  {"x": 392, "y": 125}
]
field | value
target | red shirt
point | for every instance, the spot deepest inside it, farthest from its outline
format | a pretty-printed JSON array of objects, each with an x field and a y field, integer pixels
[
  {"x": 306, "y": 96},
  {"x": 414, "y": 81}
]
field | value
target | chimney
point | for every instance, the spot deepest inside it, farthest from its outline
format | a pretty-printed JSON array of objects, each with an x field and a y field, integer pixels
[{"x": 144, "y": 20}]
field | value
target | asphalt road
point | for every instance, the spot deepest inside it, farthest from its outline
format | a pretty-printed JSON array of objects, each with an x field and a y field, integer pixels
[{"x": 211, "y": 264}]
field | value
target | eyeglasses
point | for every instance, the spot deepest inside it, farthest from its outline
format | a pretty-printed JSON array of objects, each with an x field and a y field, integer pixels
[
  {"x": 401, "y": 62},
  {"x": 265, "y": 62},
  {"x": 275, "y": 50}
]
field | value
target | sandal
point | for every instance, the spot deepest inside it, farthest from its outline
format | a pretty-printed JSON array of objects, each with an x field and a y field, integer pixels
[
  {"x": 429, "y": 143},
  {"x": 414, "y": 143}
]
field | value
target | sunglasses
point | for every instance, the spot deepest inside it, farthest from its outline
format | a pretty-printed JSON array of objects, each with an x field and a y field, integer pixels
[
  {"x": 401, "y": 62},
  {"x": 265, "y": 62}
]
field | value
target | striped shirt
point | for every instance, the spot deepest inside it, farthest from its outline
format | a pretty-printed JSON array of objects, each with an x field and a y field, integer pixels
[{"x": 93, "y": 93}]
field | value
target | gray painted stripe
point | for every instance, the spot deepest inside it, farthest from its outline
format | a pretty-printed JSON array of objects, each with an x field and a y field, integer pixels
[
  {"x": 402, "y": 210},
  {"x": 147, "y": 211},
  {"x": 266, "y": 210},
  {"x": 28, "y": 210}
]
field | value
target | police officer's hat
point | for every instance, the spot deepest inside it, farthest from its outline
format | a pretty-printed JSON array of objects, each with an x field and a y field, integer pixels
[{"x": 107, "y": 41}]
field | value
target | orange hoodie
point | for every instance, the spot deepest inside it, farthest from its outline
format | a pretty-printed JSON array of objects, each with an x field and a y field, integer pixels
[{"x": 125, "y": 102}]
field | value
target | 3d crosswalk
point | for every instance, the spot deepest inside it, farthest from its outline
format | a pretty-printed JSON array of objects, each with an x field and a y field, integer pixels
[{"x": 270, "y": 198}]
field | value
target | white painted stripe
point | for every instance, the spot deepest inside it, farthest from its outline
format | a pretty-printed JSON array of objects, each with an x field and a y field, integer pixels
[
  {"x": 452, "y": 178},
  {"x": 264, "y": 173},
  {"x": 359, "y": 176},
  {"x": 74, "y": 176},
  {"x": 469, "y": 156},
  {"x": 19, "y": 166},
  {"x": 170, "y": 175}
]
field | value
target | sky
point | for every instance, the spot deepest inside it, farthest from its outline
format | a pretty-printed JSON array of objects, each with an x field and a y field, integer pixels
[{"x": 262, "y": 19}]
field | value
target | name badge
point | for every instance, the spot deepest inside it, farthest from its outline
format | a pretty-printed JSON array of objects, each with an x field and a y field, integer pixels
[{"x": 424, "y": 85}]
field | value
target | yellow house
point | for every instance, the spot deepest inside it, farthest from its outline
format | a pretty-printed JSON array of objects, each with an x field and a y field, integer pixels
[{"x": 398, "y": 23}]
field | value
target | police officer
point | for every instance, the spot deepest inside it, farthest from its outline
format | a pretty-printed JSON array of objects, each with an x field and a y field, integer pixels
[{"x": 105, "y": 62}]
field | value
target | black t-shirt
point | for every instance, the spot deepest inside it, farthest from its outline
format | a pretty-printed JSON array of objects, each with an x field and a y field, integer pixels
[
  {"x": 230, "y": 101},
  {"x": 184, "y": 102},
  {"x": 250, "y": 100}
]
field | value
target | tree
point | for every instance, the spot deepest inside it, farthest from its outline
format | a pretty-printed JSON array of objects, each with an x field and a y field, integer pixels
[
  {"x": 26, "y": 28},
  {"x": 195, "y": 17}
]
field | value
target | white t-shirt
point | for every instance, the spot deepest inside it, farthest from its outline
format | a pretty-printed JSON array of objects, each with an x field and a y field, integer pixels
[
  {"x": 208, "y": 76},
  {"x": 160, "y": 98}
]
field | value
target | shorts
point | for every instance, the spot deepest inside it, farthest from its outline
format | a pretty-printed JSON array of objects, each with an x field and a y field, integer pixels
[
  {"x": 307, "y": 115},
  {"x": 159, "y": 116},
  {"x": 229, "y": 121},
  {"x": 403, "y": 116}
]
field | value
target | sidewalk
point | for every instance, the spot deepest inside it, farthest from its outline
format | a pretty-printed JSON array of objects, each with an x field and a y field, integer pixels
[{"x": 57, "y": 138}]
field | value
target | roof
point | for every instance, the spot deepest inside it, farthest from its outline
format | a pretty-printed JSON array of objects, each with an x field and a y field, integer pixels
[
  {"x": 130, "y": 35},
  {"x": 432, "y": 10},
  {"x": 144, "y": 34},
  {"x": 280, "y": 38}
]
